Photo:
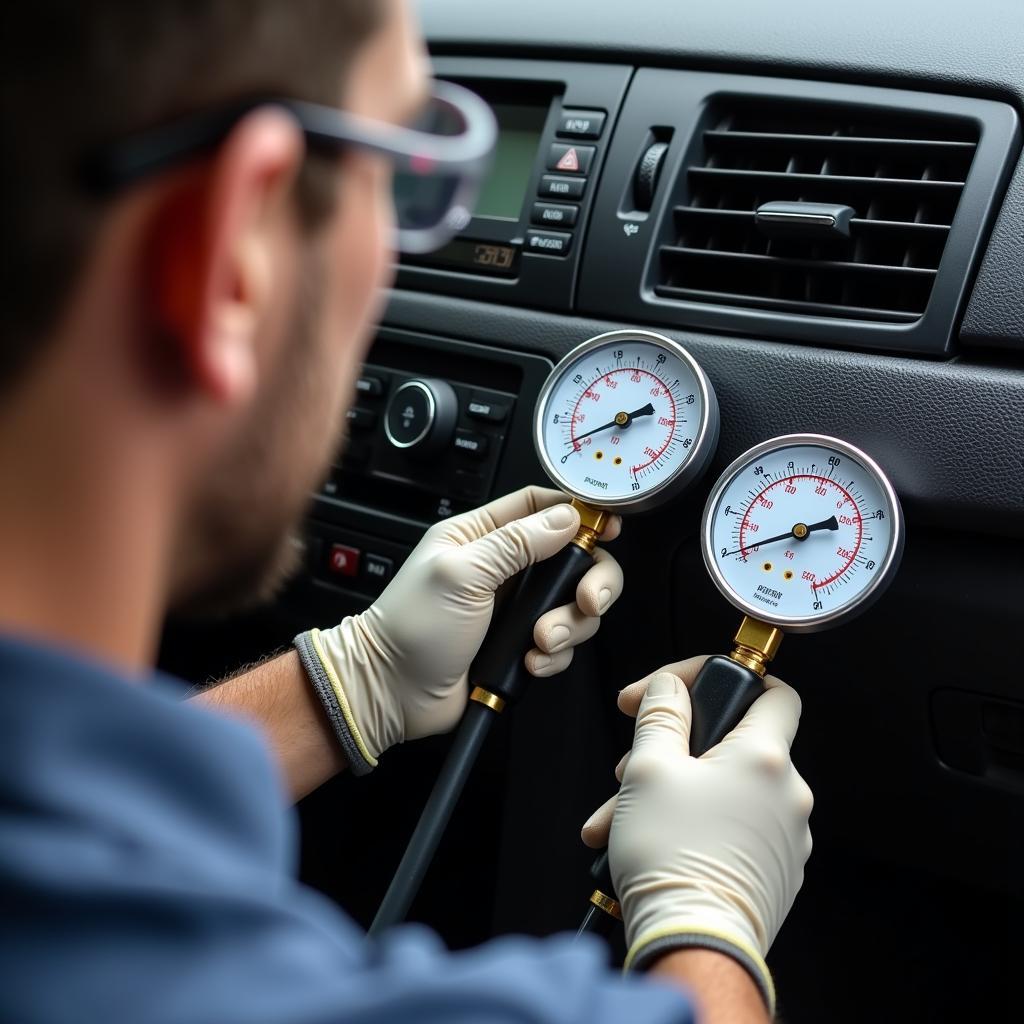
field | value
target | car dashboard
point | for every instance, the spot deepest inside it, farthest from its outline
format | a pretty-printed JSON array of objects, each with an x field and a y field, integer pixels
[{"x": 638, "y": 147}]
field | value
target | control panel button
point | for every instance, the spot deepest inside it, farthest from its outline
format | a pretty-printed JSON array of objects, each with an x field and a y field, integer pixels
[
  {"x": 570, "y": 159},
  {"x": 481, "y": 408},
  {"x": 372, "y": 387},
  {"x": 557, "y": 214},
  {"x": 378, "y": 568},
  {"x": 471, "y": 442},
  {"x": 581, "y": 124},
  {"x": 354, "y": 453},
  {"x": 361, "y": 419},
  {"x": 551, "y": 243},
  {"x": 553, "y": 187},
  {"x": 467, "y": 484},
  {"x": 421, "y": 415},
  {"x": 343, "y": 560}
]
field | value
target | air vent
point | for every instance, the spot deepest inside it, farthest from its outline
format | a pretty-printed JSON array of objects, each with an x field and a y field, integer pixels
[{"x": 902, "y": 176}]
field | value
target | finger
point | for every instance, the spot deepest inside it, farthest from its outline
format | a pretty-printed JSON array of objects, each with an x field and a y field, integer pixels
[
  {"x": 612, "y": 528},
  {"x": 477, "y": 523},
  {"x": 543, "y": 665},
  {"x": 596, "y": 828},
  {"x": 662, "y": 722},
  {"x": 601, "y": 585},
  {"x": 630, "y": 697},
  {"x": 620, "y": 768},
  {"x": 771, "y": 721},
  {"x": 490, "y": 560},
  {"x": 564, "y": 627}
]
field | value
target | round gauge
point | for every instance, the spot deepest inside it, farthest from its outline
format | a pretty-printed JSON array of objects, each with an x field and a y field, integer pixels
[
  {"x": 802, "y": 531},
  {"x": 626, "y": 420}
]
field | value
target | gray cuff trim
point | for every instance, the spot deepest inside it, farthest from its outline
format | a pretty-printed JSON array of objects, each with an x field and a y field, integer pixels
[
  {"x": 314, "y": 668},
  {"x": 684, "y": 940}
]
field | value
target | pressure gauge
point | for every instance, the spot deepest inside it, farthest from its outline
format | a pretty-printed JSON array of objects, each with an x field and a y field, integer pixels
[
  {"x": 802, "y": 532},
  {"x": 626, "y": 421}
]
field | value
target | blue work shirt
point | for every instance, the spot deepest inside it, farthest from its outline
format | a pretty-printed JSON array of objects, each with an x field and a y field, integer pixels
[{"x": 147, "y": 876}]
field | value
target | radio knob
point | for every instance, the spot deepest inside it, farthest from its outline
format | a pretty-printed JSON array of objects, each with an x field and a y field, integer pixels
[{"x": 420, "y": 417}]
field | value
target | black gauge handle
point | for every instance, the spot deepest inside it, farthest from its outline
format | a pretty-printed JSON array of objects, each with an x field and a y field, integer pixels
[
  {"x": 498, "y": 666},
  {"x": 720, "y": 696}
]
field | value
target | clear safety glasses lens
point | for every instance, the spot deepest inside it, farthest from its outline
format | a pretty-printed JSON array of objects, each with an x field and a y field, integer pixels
[{"x": 434, "y": 199}]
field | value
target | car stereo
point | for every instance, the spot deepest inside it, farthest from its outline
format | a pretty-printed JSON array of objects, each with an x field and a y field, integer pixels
[{"x": 554, "y": 120}]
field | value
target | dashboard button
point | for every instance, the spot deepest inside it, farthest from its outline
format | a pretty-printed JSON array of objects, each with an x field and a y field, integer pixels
[
  {"x": 570, "y": 159},
  {"x": 373, "y": 387},
  {"x": 481, "y": 408},
  {"x": 470, "y": 442},
  {"x": 361, "y": 419},
  {"x": 553, "y": 187},
  {"x": 581, "y": 124},
  {"x": 551, "y": 243},
  {"x": 343, "y": 560},
  {"x": 557, "y": 214},
  {"x": 354, "y": 453},
  {"x": 468, "y": 484},
  {"x": 378, "y": 568}
]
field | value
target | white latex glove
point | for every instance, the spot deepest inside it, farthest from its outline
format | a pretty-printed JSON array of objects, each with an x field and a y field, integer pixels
[
  {"x": 399, "y": 670},
  {"x": 706, "y": 852}
]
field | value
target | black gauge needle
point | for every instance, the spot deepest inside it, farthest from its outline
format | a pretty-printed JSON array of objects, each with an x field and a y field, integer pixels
[
  {"x": 622, "y": 419},
  {"x": 799, "y": 532}
]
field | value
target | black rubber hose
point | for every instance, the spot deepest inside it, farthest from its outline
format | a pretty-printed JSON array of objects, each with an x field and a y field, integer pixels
[
  {"x": 469, "y": 738},
  {"x": 720, "y": 697},
  {"x": 499, "y": 669}
]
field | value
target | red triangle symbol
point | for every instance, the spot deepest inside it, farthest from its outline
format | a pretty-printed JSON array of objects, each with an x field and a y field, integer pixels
[{"x": 569, "y": 161}]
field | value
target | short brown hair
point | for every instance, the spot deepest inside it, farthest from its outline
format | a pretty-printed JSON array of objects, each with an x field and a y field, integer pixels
[{"x": 78, "y": 73}]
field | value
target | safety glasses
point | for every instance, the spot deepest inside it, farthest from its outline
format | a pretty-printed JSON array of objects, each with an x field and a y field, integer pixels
[{"x": 439, "y": 160}]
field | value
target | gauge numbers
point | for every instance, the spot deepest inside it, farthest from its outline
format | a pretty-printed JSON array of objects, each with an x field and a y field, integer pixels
[
  {"x": 801, "y": 531},
  {"x": 622, "y": 415}
]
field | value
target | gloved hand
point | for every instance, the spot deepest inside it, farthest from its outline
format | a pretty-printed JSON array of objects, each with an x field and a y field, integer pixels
[
  {"x": 399, "y": 670},
  {"x": 706, "y": 852}
]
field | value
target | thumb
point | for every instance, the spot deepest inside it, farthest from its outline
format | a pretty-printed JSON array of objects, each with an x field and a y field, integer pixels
[
  {"x": 507, "y": 550},
  {"x": 663, "y": 721},
  {"x": 598, "y": 826}
]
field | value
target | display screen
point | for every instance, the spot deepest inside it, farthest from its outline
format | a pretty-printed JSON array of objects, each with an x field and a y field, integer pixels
[
  {"x": 479, "y": 257},
  {"x": 519, "y": 132}
]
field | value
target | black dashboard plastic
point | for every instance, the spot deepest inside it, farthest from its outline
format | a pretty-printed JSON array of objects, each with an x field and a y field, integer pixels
[
  {"x": 995, "y": 314},
  {"x": 967, "y": 48},
  {"x": 948, "y": 433}
]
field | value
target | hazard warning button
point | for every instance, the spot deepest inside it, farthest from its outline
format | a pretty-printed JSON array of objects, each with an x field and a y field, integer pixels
[{"x": 570, "y": 159}]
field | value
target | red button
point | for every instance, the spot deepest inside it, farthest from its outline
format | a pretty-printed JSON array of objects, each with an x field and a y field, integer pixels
[{"x": 343, "y": 560}]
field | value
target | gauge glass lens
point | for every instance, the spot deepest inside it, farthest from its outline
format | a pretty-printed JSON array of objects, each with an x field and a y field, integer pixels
[
  {"x": 801, "y": 532},
  {"x": 621, "y": 420}
]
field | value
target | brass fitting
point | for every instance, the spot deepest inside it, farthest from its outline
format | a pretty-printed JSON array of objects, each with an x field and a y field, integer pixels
[
  {"x": 606, "y": 903},
  {"x": 488, "y": 699},
  {"x": 592, "y": 524},
  {"x": 756, "y": 644}
]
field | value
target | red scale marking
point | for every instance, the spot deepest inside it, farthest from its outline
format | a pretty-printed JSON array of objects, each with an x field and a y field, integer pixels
[
  {"x": 606, "y": 376},
  {"x": 830, "y": 483}
]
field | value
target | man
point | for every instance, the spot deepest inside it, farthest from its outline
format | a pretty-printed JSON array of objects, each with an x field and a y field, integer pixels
[{"x": 185, "y": 315}]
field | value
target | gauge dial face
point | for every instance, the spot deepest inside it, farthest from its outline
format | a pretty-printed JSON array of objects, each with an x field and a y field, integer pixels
[
  {"x": 801, "y": 532},
  {"x": 623, "y": 417}
]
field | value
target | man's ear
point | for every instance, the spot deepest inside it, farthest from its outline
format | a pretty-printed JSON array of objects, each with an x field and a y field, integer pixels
[{"x": 216, "y": 246}]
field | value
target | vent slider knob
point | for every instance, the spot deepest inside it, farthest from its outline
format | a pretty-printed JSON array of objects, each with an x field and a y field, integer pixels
[
  {"x": 804, "y": 220},
  {"x": 647, "y": 173}
]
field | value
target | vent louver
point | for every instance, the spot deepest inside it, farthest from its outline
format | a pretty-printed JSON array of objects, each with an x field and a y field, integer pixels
[{"x": 902, "y": 175}]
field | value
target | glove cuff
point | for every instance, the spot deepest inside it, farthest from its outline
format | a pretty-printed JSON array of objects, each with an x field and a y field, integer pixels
[
  {"x": 653, "y": 945},
  {"x": 325, "y": 681}
]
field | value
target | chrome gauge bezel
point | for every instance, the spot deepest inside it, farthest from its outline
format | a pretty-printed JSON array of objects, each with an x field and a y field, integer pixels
[
  {"x": 696, "y": 460},
  {"x": 825, "y": 619}
]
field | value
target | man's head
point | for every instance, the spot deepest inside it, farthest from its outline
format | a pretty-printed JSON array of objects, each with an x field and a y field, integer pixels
[{"x": 200, "y": 330}]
